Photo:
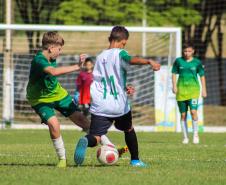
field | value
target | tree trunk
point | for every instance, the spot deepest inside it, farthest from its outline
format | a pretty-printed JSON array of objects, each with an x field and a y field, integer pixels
[{"x": 30, "y": 41}]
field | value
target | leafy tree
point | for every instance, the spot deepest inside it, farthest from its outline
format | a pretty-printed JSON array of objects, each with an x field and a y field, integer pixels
[
  {"x": 2, "y": 8},
  {"x": 199, "y": 19},
  {"x": 35, "y": 12},
  {"x": 100, "y": 12}
]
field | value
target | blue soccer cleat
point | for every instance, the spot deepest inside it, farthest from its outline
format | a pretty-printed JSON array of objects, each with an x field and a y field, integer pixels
[
  {"x": 138, "y": 163},
  {"x": 80, "y": 150}
]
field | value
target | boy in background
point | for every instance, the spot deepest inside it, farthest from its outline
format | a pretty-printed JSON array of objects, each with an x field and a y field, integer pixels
[
  {"x": 83, "y": 82},
  {"x": 187, "y": 88}
]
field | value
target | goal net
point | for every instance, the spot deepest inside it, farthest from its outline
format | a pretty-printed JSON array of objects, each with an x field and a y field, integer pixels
[{"x": 160, "y": 44}]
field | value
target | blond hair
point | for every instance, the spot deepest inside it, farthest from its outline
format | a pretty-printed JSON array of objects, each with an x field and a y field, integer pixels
[{"x": 51, "y": 38}]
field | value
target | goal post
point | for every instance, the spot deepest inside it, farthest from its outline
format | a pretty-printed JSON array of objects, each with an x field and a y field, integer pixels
[{"x": 163, "y": 44}]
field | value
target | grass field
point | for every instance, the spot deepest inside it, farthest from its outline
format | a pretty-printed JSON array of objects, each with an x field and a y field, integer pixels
[{"x": 27, "y": 157}]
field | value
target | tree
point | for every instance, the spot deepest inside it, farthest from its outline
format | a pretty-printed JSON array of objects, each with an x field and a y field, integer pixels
[
  {"x": 35, "y": 12},
  {"x": 199, "y": 19},
  {"x": 212, "y": 15},
  {"x": 100, "y": 12}
]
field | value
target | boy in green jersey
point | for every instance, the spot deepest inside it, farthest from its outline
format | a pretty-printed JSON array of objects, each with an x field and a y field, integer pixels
[
  {"x": 187, "y": 88},
  {"x": 45, "y": 94}
]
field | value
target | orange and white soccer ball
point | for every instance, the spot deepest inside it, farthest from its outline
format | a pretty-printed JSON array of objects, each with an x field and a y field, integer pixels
[{"x": 107, "y": 155}]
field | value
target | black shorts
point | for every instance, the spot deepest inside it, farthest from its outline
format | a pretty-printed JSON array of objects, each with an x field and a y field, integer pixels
[{"x": 100, "y": 124}]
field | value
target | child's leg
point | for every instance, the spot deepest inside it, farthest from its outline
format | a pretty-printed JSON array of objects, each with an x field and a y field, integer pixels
[
  {"x": 54, "y": 129},
  {"x": 195, "y": 126},
  {"x": 183, "y": 107},
  {"x": 124, "y": 123},
  {"x": 81, "y": 147},
  {"x": 184, "y": 127},
  {"x": 105, "y": 141},
  {"x": 131, "y": 142},
  {"x": 79, "y": 119},
  {"x": 193, "y": 104},
  {"x": 194, "y": 121},
  {"x": 99, "y": 127},
  {"x": 86, "y": 109},
  {"x": 47, "y": 115}
]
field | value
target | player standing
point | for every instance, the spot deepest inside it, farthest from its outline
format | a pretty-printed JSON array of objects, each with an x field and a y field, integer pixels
[{"x": 187, "y": 88}]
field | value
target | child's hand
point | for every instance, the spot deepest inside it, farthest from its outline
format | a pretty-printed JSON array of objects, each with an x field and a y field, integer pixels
[
  {"x": 130, "y": 90},
  {"x": 77, "y": 67},
  {"x": 155, "y": 66},
  {"x": 175, "y": 90},
  {"x": 204, "y": 93},
  {"x": 82, "y": 58}
]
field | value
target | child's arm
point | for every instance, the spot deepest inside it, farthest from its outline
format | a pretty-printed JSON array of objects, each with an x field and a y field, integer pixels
[
  {"x": 65, "y": 69},
  {"x": 140, "y": 61},
  {"x": 61, "y": 70},
  {"x": 203, "y": 82},
  {"x": 174, "y": 81}
]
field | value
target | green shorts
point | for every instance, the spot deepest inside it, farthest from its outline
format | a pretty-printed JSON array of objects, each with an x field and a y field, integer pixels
[
  {"x": 46, "y": 110},
  {"x": 183, "y": 105}
]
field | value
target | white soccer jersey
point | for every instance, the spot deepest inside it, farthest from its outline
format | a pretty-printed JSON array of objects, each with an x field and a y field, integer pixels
[{"x": 108, "y": 91}]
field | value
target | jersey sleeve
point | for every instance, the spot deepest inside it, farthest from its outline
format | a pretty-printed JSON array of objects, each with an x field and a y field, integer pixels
[
  {"x": 200, "y": 70},
  {"x": 175, "y": 68},
  {"x": 41, "y": 64},
  {"x": 125, "y": 56}
]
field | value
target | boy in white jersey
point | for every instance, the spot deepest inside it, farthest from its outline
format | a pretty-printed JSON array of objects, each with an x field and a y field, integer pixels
[{"x": 109, "y": 98}]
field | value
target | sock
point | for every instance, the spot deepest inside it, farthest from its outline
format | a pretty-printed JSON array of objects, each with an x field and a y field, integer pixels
[
  {"x": 105, "y": 141},
  {"x": 195, "y": 126},
  {"x": 131, "y": 141},
  {"x": 184, "y": 129},
  {"x": 59, "y": 147},
  {"x": 92, "y": 141}
]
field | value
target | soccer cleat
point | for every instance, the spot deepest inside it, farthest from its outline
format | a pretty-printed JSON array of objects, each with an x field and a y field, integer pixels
[
  {"x": 138, "y": 163},
  {"x": 122, "y": 150},
  {"x": 80, "y": 150},
  {"x": 62, "y": 163},
  {"x": 196, "y": 139},
  {"x": 185, "y": 141}
]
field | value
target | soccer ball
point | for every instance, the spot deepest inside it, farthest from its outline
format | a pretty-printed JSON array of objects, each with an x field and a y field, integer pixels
[{"x": 107, "y": 155}]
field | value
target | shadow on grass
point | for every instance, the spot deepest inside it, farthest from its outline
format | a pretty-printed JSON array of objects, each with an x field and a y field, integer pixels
[
  {"x": 54, "y": 165},
  {"x": 22, "y": 164}
]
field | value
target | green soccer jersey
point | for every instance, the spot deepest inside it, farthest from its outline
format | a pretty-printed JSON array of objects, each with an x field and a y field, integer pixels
[
  {"x": 187, "y": 84},
  {"x": 43, "y": 87}
]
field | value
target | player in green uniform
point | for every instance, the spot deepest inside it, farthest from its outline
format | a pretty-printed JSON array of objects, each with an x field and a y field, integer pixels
[
  {"x": 45, "y": 94},
  {"x": 187, "y": 88}
]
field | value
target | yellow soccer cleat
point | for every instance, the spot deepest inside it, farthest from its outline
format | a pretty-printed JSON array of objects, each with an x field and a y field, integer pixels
[{"x": 62, "y": 163}]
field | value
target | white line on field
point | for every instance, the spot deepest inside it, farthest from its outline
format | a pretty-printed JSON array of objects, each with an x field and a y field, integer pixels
[{"x": 211, "y": 129}]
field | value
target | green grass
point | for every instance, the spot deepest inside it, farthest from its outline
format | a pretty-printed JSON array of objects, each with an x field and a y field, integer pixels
[{"x": 27, "y": 157}]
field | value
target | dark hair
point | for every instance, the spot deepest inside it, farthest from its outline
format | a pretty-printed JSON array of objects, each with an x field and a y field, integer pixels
[
  {"x": 88, "y": 59},
  {"x": 188, "y": 45},
  {"x": 51, "y": 38},
  {"x": 118, "y": 33}
]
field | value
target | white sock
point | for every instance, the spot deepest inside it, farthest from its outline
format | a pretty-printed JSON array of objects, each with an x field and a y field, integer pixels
[
  {"x": 59, "y": 147},
  {"x": 184, "y": 129},
  {"x": 105, "y": 141},
  {"x": 195, "y": 127}
]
